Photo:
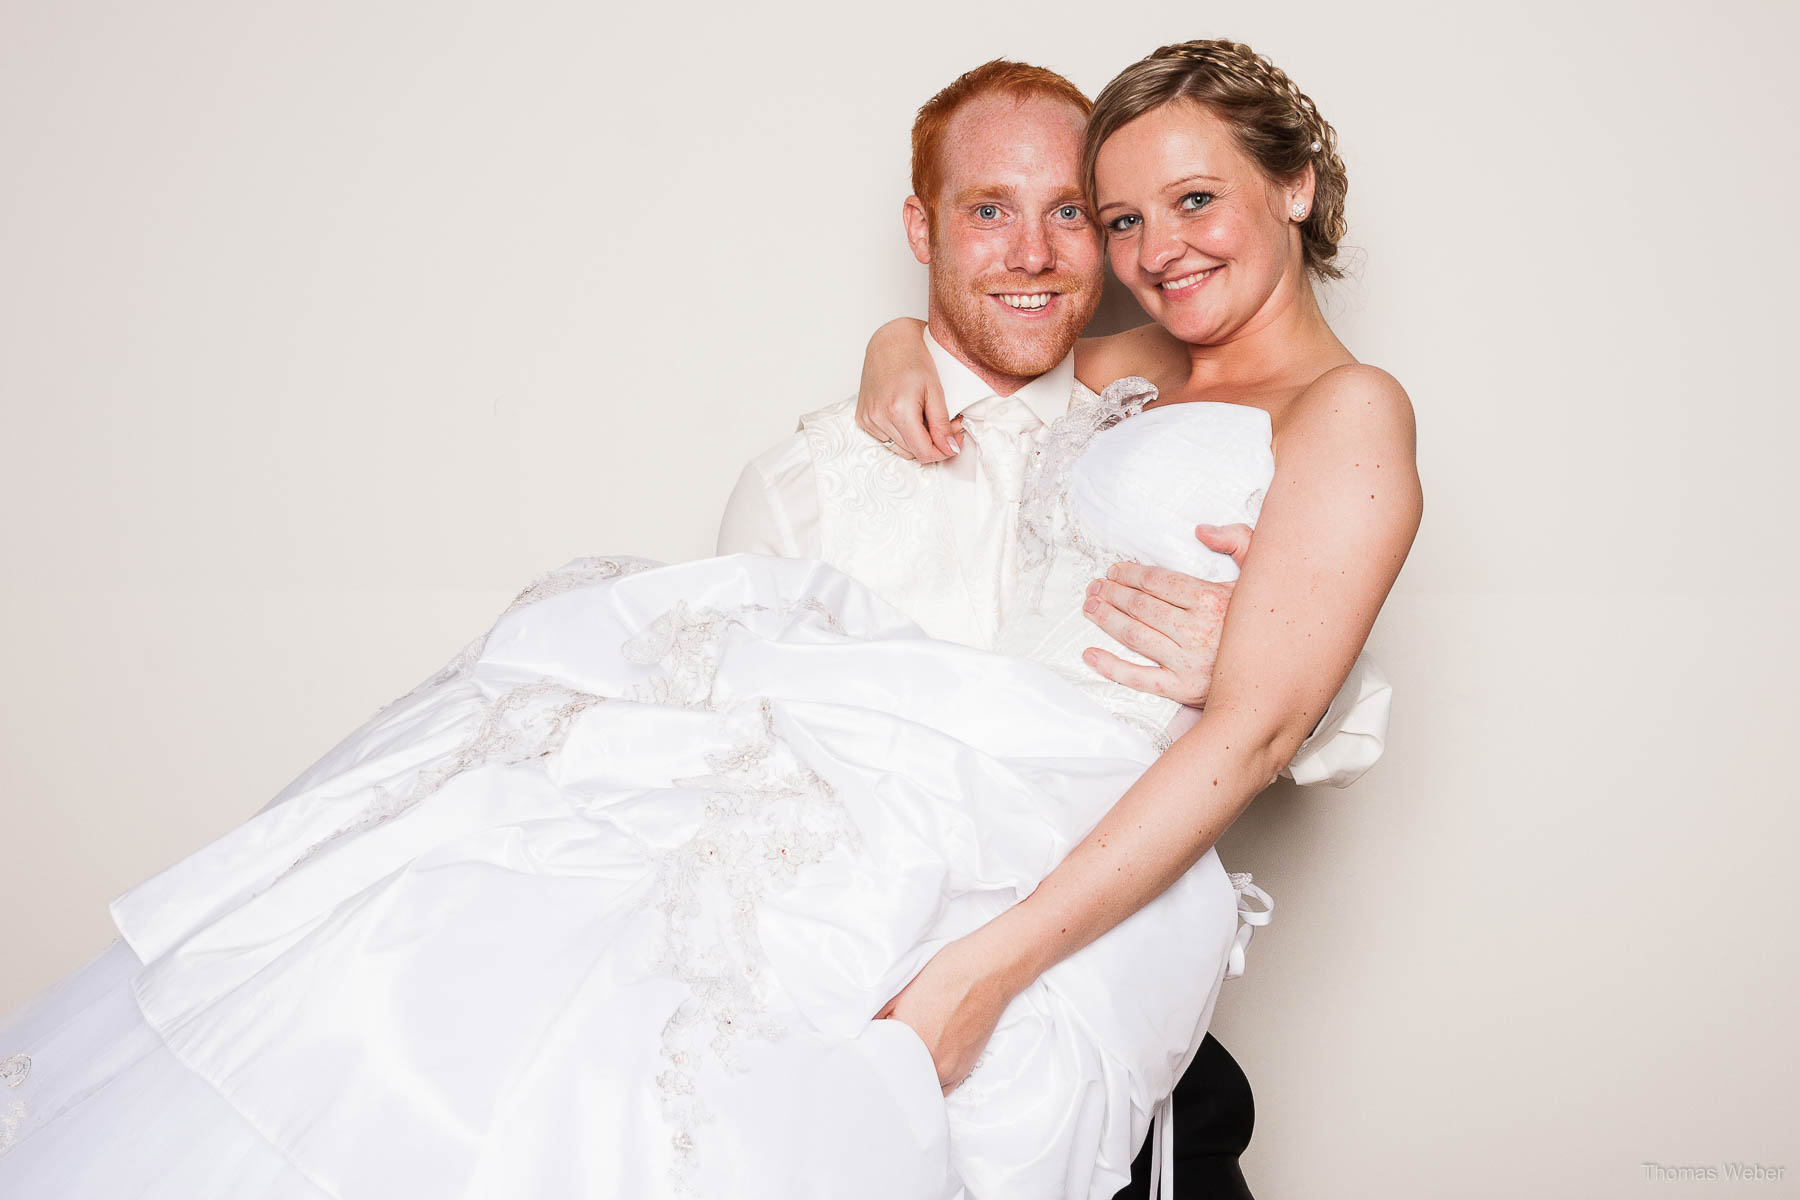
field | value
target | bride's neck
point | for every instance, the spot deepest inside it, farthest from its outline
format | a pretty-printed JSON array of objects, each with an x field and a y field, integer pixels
[{"x": 1286, "y": 340}]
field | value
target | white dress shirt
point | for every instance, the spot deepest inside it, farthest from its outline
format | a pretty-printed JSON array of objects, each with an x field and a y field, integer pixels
[{"x": 775, "y": 509}]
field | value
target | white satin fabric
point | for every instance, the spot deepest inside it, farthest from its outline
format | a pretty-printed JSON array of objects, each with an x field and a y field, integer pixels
[
  {"x": 1115, "y": 482},
  {"x": 938, "y": 541},
  {"x": 605, "y": 909}
]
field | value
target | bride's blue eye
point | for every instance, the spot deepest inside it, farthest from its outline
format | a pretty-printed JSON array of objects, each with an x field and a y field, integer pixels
[
  {"x": 1121, "y": 224},
  {"x": 1195, "y": 201}
]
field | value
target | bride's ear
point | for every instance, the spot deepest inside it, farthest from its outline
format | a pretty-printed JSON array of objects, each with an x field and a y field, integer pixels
[
  {"x": 918, "y": 229},
  {"x": 1299, "y": 193}
]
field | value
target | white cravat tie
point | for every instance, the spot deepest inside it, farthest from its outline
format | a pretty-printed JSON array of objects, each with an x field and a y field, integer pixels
[
  {"x": 1005, "y": 430},
  {"x": 1005, "y": 434}
]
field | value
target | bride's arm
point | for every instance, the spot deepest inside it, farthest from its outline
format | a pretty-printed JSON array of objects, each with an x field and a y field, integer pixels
[
  {"x": 1171, "y": 619},
  {"x": 900, "y": 399},
  {"x": 1335, "y": 528}
]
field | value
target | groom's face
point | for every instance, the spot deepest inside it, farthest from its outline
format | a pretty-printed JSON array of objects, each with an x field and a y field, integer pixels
[{"x": 1014, "y": 255}]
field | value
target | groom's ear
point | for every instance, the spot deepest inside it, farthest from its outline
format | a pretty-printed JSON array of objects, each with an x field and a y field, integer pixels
[{"x": 918, "y": 229}]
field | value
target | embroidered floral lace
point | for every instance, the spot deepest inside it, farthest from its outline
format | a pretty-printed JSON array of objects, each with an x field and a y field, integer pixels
[
  {"x": 13, "y": 1072},
  {"x": 766, "y": 817}
]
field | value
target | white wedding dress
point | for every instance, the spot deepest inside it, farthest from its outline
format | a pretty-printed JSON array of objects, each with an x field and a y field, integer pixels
[{"x": 605, "y": 908}]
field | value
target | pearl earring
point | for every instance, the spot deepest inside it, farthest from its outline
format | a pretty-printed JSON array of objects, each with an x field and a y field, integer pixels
[{"x": 1299, "y": 211}]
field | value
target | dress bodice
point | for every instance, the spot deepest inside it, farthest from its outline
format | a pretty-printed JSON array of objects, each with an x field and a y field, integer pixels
[{"x": 1115, "y": 483}]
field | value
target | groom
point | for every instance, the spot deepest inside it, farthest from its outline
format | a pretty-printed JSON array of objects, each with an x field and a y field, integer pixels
[{"x": 1015, "y": 273}]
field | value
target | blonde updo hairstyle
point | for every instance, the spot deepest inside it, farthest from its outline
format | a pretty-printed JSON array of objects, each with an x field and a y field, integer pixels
[{"x": 1274, "y": 122}]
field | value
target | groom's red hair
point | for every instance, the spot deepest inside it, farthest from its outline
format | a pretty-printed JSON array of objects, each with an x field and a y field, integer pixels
[{"x": 1015, "y": 79}]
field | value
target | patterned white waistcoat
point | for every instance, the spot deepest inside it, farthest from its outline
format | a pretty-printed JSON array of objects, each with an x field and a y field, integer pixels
[{"x": 885, "y": 521}]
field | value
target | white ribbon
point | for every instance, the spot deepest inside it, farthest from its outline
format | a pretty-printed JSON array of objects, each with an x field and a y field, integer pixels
[
  {"x": 1162, "y": 1132},
  {"x": 1249, "y": 918},
  {"x": 1162, "y": 1150}
]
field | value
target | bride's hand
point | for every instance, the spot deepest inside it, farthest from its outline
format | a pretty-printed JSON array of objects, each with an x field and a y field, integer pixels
[
  {"x": 900, "y": 401},
  {"x": 954, "y": 1005},
  {"x": 1175, "y": 620}
]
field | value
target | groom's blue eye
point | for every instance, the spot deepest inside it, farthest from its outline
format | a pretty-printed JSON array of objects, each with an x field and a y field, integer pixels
[
  {"x": 1069, "y": 212},
  {"x": 987, "y": 212}
]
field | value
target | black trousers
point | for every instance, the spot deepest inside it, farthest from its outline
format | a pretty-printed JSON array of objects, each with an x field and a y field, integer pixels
[{"x": 1214, "y": 1114}]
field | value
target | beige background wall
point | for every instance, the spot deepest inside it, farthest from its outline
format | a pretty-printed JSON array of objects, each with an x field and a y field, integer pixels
[{"x": 323, "y": 327}]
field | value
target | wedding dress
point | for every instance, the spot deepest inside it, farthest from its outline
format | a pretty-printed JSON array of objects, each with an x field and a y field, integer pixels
[{"x": 606, "y": 906}]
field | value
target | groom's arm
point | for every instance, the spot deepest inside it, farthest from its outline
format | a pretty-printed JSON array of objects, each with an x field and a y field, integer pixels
[{"x": 774, "y": 509}]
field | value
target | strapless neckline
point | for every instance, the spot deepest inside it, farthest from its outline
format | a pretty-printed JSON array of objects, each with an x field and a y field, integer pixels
[
  {"x": 1159, "y": 406},
  {"x": 1156, "y": 405}
]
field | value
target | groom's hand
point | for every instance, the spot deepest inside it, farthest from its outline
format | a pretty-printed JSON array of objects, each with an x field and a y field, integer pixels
[{"x": 1172, "y": 619}]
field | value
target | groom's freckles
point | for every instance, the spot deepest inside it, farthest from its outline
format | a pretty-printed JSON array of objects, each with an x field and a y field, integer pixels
[{"x": 1015, "y": 258}]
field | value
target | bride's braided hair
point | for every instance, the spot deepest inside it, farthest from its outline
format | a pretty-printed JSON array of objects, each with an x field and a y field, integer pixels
[{"x": 1275, "y": 123}]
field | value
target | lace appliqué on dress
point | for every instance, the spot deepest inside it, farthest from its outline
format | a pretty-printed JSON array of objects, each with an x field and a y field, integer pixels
[
  {"x": 1045, "y": 521},
  {"x": 685, "y": 644},
  {"x": 13, "y": 1072},
  {"x": 528, "y": 722},
  {"x": 766, "y": 817},
  {"x": 12, "y": 1118},
  {"x": 582, "y": 572},
  {"x": 1054, "y": 545},
  {"x": 1156, "y": 732}
]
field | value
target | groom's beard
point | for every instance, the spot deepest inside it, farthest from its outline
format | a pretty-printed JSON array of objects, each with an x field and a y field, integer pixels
[{"x": 1010, "y": 342}]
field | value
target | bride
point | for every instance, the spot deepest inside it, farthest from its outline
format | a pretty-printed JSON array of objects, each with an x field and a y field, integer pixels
[{"x": 608, "y": 905}]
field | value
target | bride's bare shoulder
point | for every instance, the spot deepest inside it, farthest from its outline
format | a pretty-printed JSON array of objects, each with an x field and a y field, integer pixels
[
  {"x": 1148, "y": 351},
  {"x": 1349, "y": 406}
]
